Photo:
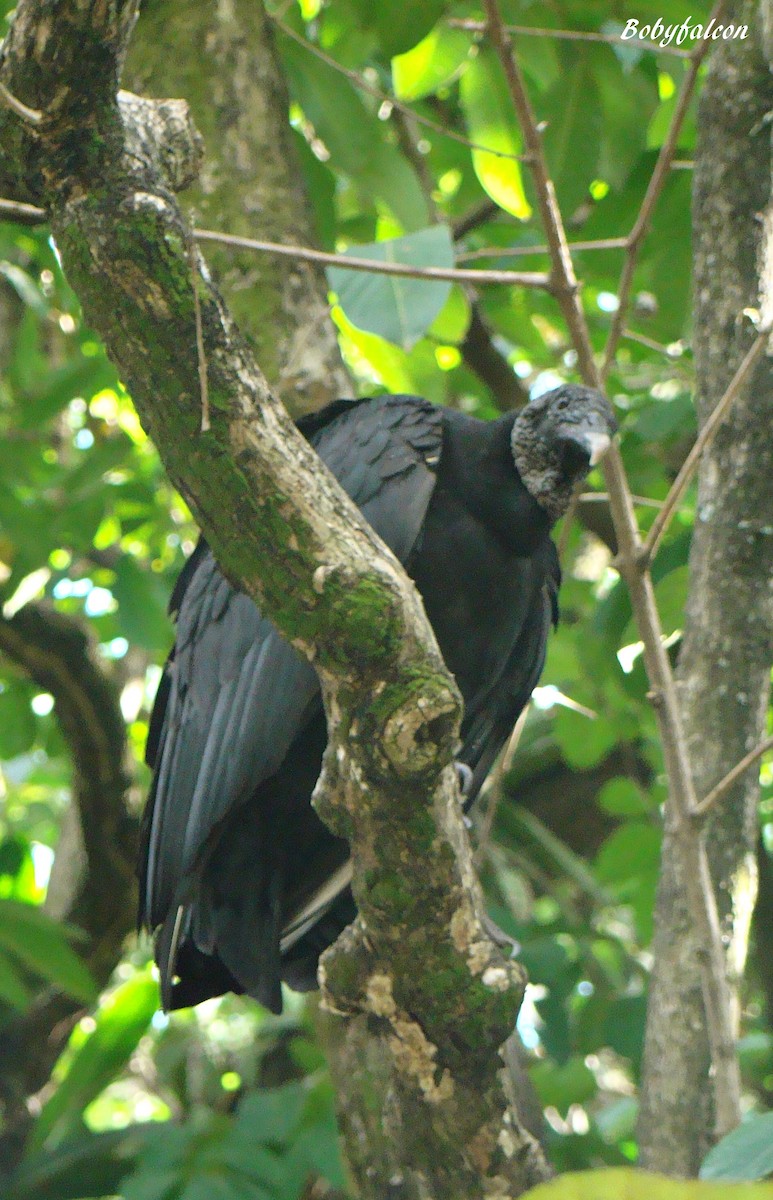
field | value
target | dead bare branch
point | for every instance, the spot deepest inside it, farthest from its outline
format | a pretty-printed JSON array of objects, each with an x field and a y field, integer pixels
[
  {"x": 725, "y": 784},
  {"x": 703, "y": 440},
  {"x": 654, "y": 188},
  {"x": 531, "y": 279}
]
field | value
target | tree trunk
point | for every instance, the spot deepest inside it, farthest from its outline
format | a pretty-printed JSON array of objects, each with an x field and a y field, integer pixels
[
  {"x": 285, "y": 532},
  {"x": 221, "y": 59},
  {"x": 724, "y": 667}
]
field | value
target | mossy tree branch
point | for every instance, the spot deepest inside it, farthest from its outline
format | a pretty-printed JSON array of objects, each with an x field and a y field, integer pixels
[{"x": 287, "y": 535}]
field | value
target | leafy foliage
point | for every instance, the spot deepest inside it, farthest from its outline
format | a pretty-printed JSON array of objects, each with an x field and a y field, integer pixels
[
  {"x": 745, "y": 1154},
  {"x": 178, "y": 1108}
]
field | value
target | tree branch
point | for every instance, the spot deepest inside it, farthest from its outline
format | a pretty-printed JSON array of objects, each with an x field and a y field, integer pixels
[
  {"x": 570, "y": 35},
  {"x": 697, "y": 881},
  {"x": 654, "y": 188},
  {"x": 386, "y": 98},
  {"x": 725, "y": 784},
  {"x": 289, "y": 537},
  {"x": 481, "y": 356},
  {"x": 535, "y": 279},
  {"x": 704, "y": 439}
]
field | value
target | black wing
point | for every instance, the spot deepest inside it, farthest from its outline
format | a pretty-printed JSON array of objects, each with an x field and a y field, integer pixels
[
  {"x": 235, "y": 695},
  {"x": 491, "y": 716}
]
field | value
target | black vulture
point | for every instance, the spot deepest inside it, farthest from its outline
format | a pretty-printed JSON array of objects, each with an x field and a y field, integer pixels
[{"x": 243, "y": 883}]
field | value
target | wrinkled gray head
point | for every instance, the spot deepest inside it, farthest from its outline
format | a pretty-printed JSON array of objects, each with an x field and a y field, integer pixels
[{"x": 557, "y": 438}]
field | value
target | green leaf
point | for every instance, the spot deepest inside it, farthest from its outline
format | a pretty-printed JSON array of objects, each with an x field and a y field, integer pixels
[
  {"x": 251, "y": 1160},
  {"x": 546, "y": 959},
  {"x": 632, "y": 850},
  {"x": 563, "y": 1086},
  {"x": 354, "y": 136},
  {"x": 624, "y": 1026},
  {"x": 623, "y": 798},
  {"x": 142, "y": 602},
  {"x": 272, "y": 1114},
  {"x": 400, "y": 24},
  {"x": 431, "y": 65},
  {"x": 627, "y": 99},
  {"x": 572, "y": 138},
  {"x": 25, "y": 287},
  {"x": 453, "y": 320},
  {"x": 17, "y": 721},
  {"x": 396, "y": 308},
  {"x": 490, "y": 123},
  {"x": 119, "y": 1024},
  {"x": 744, "y": 1154},
  {"x": 89, "y": 1166},
  {"x": 671, "y": 598},
  {"x": 13, "y": 990},
  {"x": 40, "y": 943},
  {"x": 584, "y": 740},
  {"x": 83, "y": 376},
  {"x": 627, "y": 1184},
  {"x": 160, "y": 1185}
]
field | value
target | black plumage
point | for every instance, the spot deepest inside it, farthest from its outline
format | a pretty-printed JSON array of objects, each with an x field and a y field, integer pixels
[{"x": 243, "y": 882}]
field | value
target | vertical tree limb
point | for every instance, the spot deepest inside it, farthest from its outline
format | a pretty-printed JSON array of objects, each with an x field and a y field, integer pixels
[
  {"x": 724, "y": 666},
  {"x": 698, "y": 895}
]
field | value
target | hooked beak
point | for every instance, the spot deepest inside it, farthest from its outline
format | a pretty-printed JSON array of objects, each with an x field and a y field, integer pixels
[
  {"x": 581, "y": 449},
  {"x": 598, "y": 444}
]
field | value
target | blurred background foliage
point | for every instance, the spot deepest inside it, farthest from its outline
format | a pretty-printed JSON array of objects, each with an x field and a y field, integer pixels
[{"x": 227, "y": 1101}]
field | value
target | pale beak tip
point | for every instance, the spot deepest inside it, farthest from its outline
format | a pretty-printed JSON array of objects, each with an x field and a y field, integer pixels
[{"x": 599, "y": 444}]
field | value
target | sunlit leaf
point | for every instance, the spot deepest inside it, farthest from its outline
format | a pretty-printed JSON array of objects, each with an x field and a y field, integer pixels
[
  {"x": 490, "y": 123},
  {"x": 629, "y": 1184},
  {"x": 119, "y": 1025},
  {"x": 430, "y": 65}
]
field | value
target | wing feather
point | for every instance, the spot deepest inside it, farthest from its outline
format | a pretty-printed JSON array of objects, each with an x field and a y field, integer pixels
[{"x": 235, "y": 695}]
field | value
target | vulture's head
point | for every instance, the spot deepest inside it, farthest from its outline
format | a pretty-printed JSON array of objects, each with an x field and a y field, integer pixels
[{"x": 557, "y": 438}]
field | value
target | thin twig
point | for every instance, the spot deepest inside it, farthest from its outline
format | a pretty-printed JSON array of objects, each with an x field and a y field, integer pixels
[
  {"x": 23, "y": 214},
  {"x": 535, "y": 279},
  {"x": 700, "y": 895},
  {"x": 386, "y": 97},
  {"x": 33, "y": 116},
  {"x": 523, "y": 251},
  {"x": 495, "y": 788},
  {"x": 571, "y": 35},
  {"x": 485, "y": 211},
  {"x": 563, "y": 277},
  {"x": 648, "y": 342},
  {"x": 201, "y": 356},
  {"x": 603, "y": 498},
  {"x": 702, "y": 442},
  {"x": 654, "y": 188},
  {"x": 727, "y": 782}
]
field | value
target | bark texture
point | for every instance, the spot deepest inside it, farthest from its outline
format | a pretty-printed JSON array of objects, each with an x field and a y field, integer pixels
[
  {"x": 221, "y": 58},
  {"x": 285, "y": 532},
  {"x": 725, "y": 660}
]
